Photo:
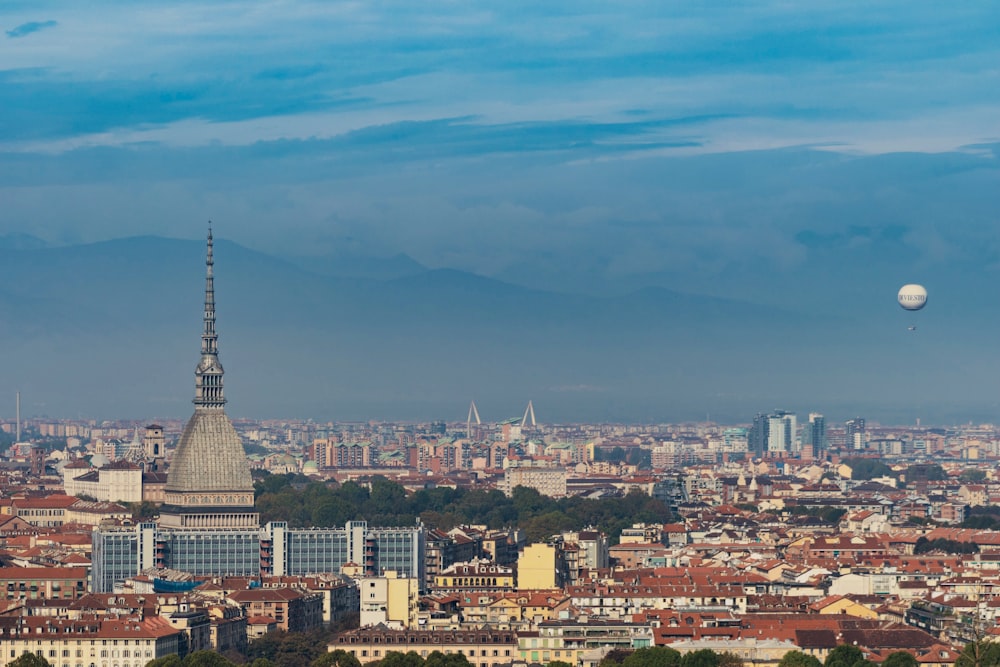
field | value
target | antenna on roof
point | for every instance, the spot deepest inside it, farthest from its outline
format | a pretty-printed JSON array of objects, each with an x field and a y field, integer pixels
[
  {"x": 529, "y": 412},
  {"x": 473, "y": 414}
]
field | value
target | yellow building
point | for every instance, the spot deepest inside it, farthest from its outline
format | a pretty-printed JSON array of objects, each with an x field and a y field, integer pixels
[
  {"x": 477, "y": 576},
  {"x": 537, "y": 568},
  {"x": 390, "y": 600},
  {"x": 838, "y": 604}
]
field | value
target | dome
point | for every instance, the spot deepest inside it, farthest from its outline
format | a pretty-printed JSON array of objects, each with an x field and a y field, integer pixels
[{"x": 310, "y": 468}]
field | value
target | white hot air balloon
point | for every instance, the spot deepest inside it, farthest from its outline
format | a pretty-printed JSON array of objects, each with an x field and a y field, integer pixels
[{"x": 912, "y": 297}]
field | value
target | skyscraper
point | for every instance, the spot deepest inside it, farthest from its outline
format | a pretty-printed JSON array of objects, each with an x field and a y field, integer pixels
[
  {"x": 816, "y": 433},
  {"x": 782, "y": 432},
  {"x": 757, "y": 436},
  {"x": 855, "y": 431},
  {"x": 208, "y": 482}
]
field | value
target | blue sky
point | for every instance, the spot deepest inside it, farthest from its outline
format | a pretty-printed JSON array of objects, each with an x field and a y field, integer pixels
[
  {"x": 770, "y": 151},
  {"x": 439, "y": 129}
]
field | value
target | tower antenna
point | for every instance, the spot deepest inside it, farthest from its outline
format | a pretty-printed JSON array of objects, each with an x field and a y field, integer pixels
[
  {"x": 529, "y": 412},
  {"x": 473, "y": 414}
]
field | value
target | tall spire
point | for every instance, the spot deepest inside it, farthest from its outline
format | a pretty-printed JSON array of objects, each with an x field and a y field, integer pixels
[
  {"x": 208, "y": 482},
  {"x": 208, "y": 375}
]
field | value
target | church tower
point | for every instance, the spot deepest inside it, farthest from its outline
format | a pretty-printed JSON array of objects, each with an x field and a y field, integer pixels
[{"x": 208, "y": 482}]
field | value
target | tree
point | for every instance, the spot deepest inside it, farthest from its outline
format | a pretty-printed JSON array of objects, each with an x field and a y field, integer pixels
[
  {"x": 205, "y": 659},
  {"x": 172, "y": 660},
  {"x": 655, "y": 656},
  {"x": 438, "y": 659},
  {"x": 338, "y": 658},
  {"x": 845, "y": 655},
  {"x": 900, "y": 659},
  {"x": 397, "y": 659},
  {"x": 799, "y": 659},
  {"x": 730, "y": 659},
  {"x": 702, "y": 658},
  {"x": 28, "y": 660},
  {"x": 979, "y": 653},
  {"x": 559, "y": 663},
  {"x": 615, "y": 656}
]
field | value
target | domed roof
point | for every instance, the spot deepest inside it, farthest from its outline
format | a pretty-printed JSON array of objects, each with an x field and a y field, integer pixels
[
  {"x": 310, "y": 467},
  {"x": 209, "y": 456}
]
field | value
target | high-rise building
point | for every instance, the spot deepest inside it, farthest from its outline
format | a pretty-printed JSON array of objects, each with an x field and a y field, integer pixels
[
  {"x": 856, "y": 436},
  {"x": 208, "y": 482},
  {"x": 757, "y": 436},
  {"x": 816, "y": 433},
  {"x": 782, "y": 432}
]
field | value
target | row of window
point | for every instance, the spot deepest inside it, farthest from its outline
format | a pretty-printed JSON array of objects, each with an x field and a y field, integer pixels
[{"x": 423, "y": 654}]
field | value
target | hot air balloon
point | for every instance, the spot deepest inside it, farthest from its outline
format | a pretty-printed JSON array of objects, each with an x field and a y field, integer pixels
[{"x": 912, "y": 297}]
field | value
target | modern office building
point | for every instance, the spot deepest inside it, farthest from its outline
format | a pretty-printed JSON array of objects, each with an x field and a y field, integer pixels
[
  {"x": 272, "y": 550},
  {"x": 208, "y": 524},
  {"x": 855, "y": 432},
  {"x": 816, "y": 433}
]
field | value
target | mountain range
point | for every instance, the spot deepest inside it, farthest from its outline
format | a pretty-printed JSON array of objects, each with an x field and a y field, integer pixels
[{"x": 111, "y": 330}]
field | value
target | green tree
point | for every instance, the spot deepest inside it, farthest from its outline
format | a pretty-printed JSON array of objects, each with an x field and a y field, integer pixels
[
  {"x": 799, "y": 659},
  {"x": 980, "y": 653},
  {"x": 559, "y": 663},
  {"x": 615, "y": 656},
  {"x": 845, "y": 655},
  {"x": 865, "y": 469},
  {"x": 397, "y": 659},
  {"x": 172, "y": 660},
  {"x": 260, "y": 662},
  {"x": 730, "y": 659},
  {"x": 654, "y": 656},
  {"x": 438, "y": 659},
  {"x": 205, "y": 659},
  {"x": 702, "y": 658},
  {"x": 338, "y": 658},
  {"x": 28, "y": 660},
  {"x": 900, "y": 659}
]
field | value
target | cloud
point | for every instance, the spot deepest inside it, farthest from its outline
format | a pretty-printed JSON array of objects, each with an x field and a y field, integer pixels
[{"x": 29, "y": 28}]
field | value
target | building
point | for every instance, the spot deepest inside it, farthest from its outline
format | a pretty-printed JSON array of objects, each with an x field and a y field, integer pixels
[
  {"x": 547, "y": 479},
  {"x": 45, "y": 512},
  {"x": 389, "y": 600},
  {"x": 567, "y": 640},
  {"x": 43, "y": 583},
  {"x": 782, "y": 430},
  {"x": 209, "y": 483},
  {"x": 816, "y": 434},
  {"x": 480, "y": 576},
  {"x": 541, "y": 567},
  {"x": 293, "y": 610},
  {"x": 855, "y": 433},
  {"x": 273, "y": 550},
  {"x": 483, "y": 647},
  {"x": 116, "y": 482},
  {"x": 208, "y": 523},
  {"x": 122, "y": 641}
]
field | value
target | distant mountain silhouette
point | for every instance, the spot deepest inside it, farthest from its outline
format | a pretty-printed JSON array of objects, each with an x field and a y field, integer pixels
[{"x": 112, "y": 330}]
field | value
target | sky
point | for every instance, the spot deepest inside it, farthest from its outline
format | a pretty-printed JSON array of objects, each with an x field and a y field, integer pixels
[{"x": 765, "y": 151}]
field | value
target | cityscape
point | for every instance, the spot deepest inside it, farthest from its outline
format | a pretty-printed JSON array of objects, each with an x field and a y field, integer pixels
[
  {"x": 512, "y": 334},
  {"x": 776, "y": 542}
]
